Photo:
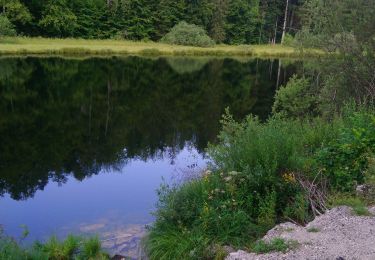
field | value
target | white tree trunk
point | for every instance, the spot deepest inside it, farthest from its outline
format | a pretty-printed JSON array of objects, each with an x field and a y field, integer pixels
[{"x": 285, "y": 21}]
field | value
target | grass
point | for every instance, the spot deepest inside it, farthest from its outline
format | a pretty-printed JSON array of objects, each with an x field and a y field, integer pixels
[
  {"x": 72, "y": 247},
  {"x": 47, "y": 46},
  {"x": 313, "y": 230},
  {"x": 359, "y": 206},
  {"x": 246, "y": 193},
  {"x": 275, "y": 245}
]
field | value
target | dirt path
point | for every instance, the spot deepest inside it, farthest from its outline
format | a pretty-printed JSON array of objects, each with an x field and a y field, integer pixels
[{"x": 338, "y": 235}]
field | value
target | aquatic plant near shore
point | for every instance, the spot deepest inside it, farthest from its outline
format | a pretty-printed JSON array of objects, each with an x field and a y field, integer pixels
[{"x": 73, "y": 247}]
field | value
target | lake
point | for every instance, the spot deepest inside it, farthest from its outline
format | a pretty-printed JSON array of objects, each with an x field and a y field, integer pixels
[{"x": 86, "y": 142}]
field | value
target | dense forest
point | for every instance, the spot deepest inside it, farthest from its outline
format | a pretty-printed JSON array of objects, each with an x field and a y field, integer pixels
[{"x": 232, "y": 22}]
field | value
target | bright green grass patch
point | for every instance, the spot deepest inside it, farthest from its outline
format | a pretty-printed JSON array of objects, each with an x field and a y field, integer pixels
[{"x": 46, "y": 46}]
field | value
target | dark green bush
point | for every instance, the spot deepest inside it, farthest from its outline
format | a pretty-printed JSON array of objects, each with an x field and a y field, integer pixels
[
  {"x": 188, "y": 34},
  {"x": 345, "y": 159},
  {"x": 296, "y": 99},
  {"x": 6, "y": 27}
]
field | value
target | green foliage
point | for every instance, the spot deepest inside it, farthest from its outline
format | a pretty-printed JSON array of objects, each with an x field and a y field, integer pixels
[
  {"x": 344, "y": 199},
  {"x": 188, "y": 34},
  {"x": 255, "y": 183},
  {"x": 345, "y": 28},
  {"x": 58, "y": 20},
  {"x": 16, "y": 11},
  {"x": 71, "y": 248},
  {"x": 233, "y": 22},
  {"x": 91, "y": 248},
  {"x": 296, "y": 99},
  {"x": 6, "y": 27},
  {"x": 242, "y": 21},
  {"x": 288, "y": 40},
  {"x": 252, "y": 183},
  {"x": 9, "y": 249},
  {"x": 346, "y": 158},
  {"x": 275, "y": 245},
  {"x": 298, "y": 210},
  {"x": 267, "y": 214}
]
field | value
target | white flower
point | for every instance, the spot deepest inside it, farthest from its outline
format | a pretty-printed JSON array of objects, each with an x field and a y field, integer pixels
[{"x": 227, "y": 178}]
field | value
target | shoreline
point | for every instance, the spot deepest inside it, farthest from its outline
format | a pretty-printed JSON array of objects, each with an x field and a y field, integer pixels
[{"x": 79, "y": 47}]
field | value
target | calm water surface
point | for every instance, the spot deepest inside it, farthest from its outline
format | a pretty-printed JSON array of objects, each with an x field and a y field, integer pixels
[{"x": 85, "y": 143}]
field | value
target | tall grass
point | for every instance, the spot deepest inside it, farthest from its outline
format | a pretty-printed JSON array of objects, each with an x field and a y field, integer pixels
[{"x": 72, "y": 247}]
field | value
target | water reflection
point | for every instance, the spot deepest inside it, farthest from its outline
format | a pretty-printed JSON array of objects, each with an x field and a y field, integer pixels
[{"x": 85, "y": 137}]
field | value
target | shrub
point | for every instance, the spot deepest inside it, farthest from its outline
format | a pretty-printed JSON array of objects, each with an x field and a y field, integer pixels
[
  {"x": 251, "y": 184},
  {"x": 288, "y": 40},
  {"x": 188, "y": 34},
  {"x": 346, "y": 159},
  {"x": 296, "y": 99},
  {"x": 6, "y": 27},
  {"x": 298, "y": 209}
]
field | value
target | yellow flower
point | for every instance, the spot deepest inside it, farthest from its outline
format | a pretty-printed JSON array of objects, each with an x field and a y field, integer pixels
[{"x": 289, "y": 177}]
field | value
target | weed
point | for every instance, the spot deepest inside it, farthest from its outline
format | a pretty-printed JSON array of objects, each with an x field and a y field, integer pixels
[
  {"x": 313, "y": 230},
  {"x": 274, "y": 245},
  {"x": 71, "y": 248},
  {"x": 358, "y": 206}
]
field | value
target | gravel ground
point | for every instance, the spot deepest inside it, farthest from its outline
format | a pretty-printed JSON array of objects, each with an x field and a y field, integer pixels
[{"x": 340, "y": 236}]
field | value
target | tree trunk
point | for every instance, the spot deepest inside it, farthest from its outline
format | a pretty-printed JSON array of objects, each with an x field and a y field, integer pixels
[
  {"x": 285, "y": 21},
  {"x": 274, "y": 38}
]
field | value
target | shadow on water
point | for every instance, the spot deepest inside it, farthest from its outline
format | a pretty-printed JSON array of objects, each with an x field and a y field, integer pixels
[{"x": 70, "y": 118}]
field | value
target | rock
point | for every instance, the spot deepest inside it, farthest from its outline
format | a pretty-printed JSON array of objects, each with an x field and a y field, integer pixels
[
  {"x": 229, "y": 249},
  {"x": 278, "y": 230},
  {"x": 366, "y": 191},
  {"x": 341, "y": 236}
]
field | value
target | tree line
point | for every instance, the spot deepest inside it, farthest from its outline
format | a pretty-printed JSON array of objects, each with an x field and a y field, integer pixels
[{"x": 226, "y": 21}]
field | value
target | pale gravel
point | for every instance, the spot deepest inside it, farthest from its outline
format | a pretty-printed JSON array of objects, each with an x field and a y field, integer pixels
[{"x": 341, "y": 235}]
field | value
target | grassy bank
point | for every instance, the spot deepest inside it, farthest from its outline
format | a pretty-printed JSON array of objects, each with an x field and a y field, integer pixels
[
  {"x": 263, "y": 174},
  {"x": 43, "y": 46}
]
